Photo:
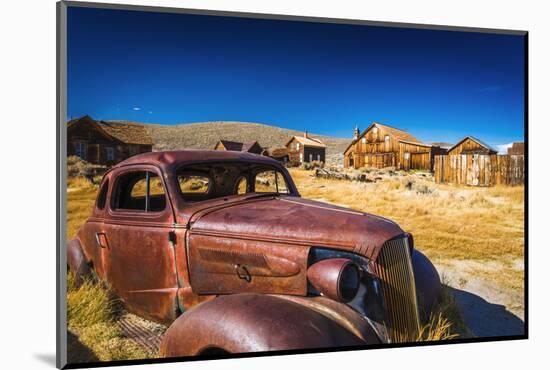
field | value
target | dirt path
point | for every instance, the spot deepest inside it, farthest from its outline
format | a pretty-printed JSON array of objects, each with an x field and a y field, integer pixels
[{"x": 488, "y": 309}]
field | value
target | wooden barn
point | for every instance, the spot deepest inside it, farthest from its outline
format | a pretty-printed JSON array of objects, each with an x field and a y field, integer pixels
[
  {"x": 251, "y": 147},
  {"x": 382, "y": 146},
  {"x": 305, "y": 149},
  {"x": 471, "y": 145},
  {"x": 106, "y": 142}
]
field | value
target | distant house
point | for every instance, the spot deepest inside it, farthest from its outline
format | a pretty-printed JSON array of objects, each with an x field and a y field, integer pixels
[
  {"x": 106, "y": 142},
  {"x": 385, "y": 146},
  {"x": 251, "y": 147},
  {"x": 471, "y": 145},
  {"x": 279, "y": 153},
  {"x": 305, "y": 149},
  {"x": 517, "y": 148}
]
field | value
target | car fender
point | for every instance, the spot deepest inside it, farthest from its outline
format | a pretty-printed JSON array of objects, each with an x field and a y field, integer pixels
[
  {"x": 427, "y": 282},
  {"x": 242, "y": 323},
  {"x": 76, "y": 260}
]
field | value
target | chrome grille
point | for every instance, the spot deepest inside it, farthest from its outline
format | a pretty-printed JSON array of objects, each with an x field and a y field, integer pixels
[{"x": 394, "y": 267}]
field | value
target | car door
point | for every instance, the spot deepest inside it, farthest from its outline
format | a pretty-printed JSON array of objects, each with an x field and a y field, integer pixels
[{"x": 141, "y": 264}]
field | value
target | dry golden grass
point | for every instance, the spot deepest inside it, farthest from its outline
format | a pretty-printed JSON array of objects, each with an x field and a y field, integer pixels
[
  {"x": 81, "y": 196},
  {"x": 93, "y": 335},
  {"x": 448, "y": 222}
]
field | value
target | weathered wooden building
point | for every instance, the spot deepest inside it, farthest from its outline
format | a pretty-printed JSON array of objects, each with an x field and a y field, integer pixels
[
  {"x": 235, "y": 146},
  {"x": 305, "y": 149},
  {"x": 471, "y": 145},
  {"x": 106, "y": 142},
  {"x": 279, "y": 153},
  {"x": 517, "y": 148},
  {"x": 385, "y": 146}
]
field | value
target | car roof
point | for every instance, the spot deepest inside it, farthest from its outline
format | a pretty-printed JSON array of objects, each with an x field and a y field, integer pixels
[{"x": 169, "y": 159}]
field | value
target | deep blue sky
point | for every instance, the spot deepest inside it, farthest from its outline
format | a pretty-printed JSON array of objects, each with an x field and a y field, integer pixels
[{"x": 325, "y": 78}]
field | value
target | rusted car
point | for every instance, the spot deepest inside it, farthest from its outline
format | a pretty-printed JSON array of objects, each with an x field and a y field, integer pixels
[{"x": 220, "y": 247}]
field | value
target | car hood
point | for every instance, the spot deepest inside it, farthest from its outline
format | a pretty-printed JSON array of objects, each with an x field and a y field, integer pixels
[{"x": 290, "y": 219}]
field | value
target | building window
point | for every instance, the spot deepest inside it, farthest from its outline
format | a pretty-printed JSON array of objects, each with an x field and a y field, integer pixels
[
  {"x": 319, "y": 157},
  {"x": 375, "y": 130},
  {"x": 301, "y": 157},
  {"x": 311, "y": 157},
  {"x": 298, "y": 146},
  {"x": 80, "y": 149},
  {"x": 406, "y": 156},
  {"x": 364, "y": 140},
  {"x": 110, "y": 153},
  {"x": 387, "y": 142}
]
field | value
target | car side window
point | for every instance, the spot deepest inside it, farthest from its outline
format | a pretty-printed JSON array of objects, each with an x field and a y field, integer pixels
[
  {"x": 270, "y": 182},
  {"x": 193, "y": 184},
  {"x": 139, "y": 191},
  {"x": 241, "y": 186},
  {"x": 102, "y": 197}
]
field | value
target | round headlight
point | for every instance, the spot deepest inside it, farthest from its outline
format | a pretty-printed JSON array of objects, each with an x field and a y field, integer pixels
[{"x": 335, "y": 278}]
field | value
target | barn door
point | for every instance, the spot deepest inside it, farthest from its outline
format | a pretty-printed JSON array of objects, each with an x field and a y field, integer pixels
[
  {"x": 406, "y": 161},
  {"x": 473, "y": 170}
]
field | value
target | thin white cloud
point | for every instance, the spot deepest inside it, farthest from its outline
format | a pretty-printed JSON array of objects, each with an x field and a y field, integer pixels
[
  {"x": 136, "y": 108},
  {"x": 503, "y": 148},
  {"x": 150, "y": 112}
]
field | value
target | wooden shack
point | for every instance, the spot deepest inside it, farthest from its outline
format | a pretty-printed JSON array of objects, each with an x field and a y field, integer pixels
[
  {"x": 106, "y": 142},
  {"x": 385, "y": 146},
  {"x": 471, "y": 145},
  {"x": 250, "y": 147},
  {"x": 305, "y": 149}
]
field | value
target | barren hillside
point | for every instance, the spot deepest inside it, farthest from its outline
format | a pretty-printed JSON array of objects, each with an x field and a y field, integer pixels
[{"x": 205, "y": 135}]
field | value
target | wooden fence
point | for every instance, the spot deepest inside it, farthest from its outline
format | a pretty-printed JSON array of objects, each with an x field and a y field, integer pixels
[{"x": 479, "y": 169}]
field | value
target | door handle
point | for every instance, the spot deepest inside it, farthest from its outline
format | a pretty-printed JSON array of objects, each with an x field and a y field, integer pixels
[
  {"x": 101, "y": 240},
  {"x": 242, "y": 273}
]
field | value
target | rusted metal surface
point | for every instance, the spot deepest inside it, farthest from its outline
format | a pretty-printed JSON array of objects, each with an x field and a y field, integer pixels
[
  {"x": 252, "y": 323},
  {"x": 340, "y": 313},
  {"x": 77, "y": 262},
  {"x": 394, "y": 267},
  {"x": 428, "y": 283},
  {"x": 327, "y": 276},
  {"x": 166, "y": 262},
  {"x": 234, "y": 265},
  {"x": 297, "y": 221}
]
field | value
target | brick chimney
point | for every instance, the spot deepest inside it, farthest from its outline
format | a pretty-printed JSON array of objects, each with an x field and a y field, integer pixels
[{"x": 305, "y": 134}]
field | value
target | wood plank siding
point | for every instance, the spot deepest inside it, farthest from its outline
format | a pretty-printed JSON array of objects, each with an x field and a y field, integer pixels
[
  {"x": 384, "y": 146},
  {"x": 480, "y": 169}
]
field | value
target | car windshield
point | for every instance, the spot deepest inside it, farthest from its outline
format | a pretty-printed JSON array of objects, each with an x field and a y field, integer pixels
[{"x": 206, "y": 181}]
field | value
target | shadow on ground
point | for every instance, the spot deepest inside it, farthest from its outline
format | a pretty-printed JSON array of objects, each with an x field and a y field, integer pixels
[
  {"x": 485, "y": 319},
  {"x": 78, "y": 352}
]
